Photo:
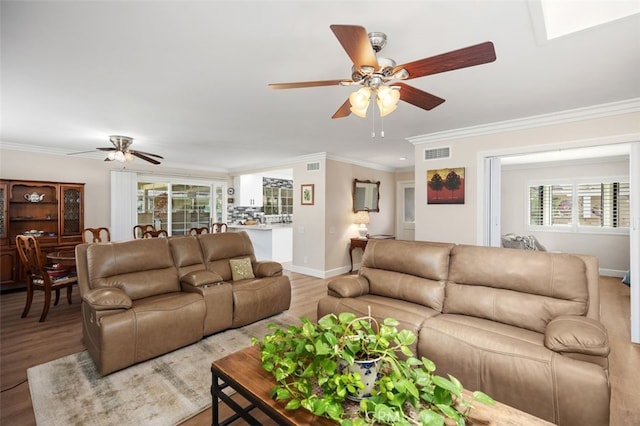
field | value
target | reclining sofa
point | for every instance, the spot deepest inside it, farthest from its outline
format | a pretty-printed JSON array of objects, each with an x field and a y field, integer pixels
[
  {"x": 522, "y": 326},
  {"x": 144, "y": 298}
]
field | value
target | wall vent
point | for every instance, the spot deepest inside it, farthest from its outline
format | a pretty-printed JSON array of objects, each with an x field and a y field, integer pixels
[
  {"x": 313, "y": 167},
  {"x": 437, "y": 153}
]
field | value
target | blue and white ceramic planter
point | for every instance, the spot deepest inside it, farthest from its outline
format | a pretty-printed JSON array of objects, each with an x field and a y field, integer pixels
[{"x": 368, "y": 371}]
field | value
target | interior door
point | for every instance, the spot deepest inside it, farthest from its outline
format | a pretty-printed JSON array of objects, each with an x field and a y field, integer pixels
[{"x": 405, "y": 210}]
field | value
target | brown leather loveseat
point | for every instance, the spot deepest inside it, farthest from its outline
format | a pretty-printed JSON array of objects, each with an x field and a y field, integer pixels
[
  {"x": 143, "y": 298},
  {"x": 522, "y": 326}
]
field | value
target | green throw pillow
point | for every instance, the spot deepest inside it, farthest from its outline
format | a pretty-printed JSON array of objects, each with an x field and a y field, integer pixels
[{"x": 241, "y": 269}]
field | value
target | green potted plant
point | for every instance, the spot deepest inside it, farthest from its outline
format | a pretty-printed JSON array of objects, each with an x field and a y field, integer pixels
[{"x": 308, "y": 363}]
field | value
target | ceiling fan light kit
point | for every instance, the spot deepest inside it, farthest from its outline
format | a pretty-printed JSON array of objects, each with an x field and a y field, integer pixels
[
  {"x": 379, "y": 76},
  {"x": 122, "y": 153}
]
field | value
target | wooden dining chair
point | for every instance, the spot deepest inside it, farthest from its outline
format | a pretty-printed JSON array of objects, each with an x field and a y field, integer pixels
[
  {"x": 41, "y": 277},
  {"x": 96, "y": 235},
  {"x": 196, "y": 231},
  {"x": 139, "y": 230},
  {"x": 218, "y": 227},
  {"x": 159, "y": 233}
]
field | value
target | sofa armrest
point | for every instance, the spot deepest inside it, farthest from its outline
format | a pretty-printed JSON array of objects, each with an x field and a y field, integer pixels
[
  {"x": 103, "y": 299},
  {"x": 200, "y": 278},
  {"x": 348, "y": 286},
  {"x": 267, "y": 268},
  {"x": 576, "y": 334}
]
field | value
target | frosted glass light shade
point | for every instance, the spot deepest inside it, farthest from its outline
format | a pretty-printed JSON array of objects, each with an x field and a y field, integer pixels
[
  {"x": 387, "y": 100},
  {"x": 360, "y": 101}
]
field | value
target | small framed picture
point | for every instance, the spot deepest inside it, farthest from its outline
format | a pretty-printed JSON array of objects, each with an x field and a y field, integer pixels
[{"x": 306, "y": 194}]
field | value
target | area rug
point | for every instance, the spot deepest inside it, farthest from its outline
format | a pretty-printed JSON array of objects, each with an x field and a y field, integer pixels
[{"x": 163, "y": 391}]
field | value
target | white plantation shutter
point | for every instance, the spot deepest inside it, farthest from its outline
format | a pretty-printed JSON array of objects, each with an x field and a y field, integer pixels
[
  {"x": 604, "y": 204},
  {"x": 561, "y": 204},
  {"x": 594, "y": 205},
  {"x": 550, "y": 204}
]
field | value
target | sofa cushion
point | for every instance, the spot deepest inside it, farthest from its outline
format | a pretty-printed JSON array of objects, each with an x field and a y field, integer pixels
[
  {"x": 255, "y": 299},
  {"x": 405, "y": 287},
  {"x": 187, "y": 254},
  {"x": 141, "y": 268},
  {"x": 514, "y": 367},
  {"x": 518, "y": 287},
  {"x": 218, "y": 248},
  {"x": 241, "y": 269},
  {"x": 410, "y": 315},
  {"x": 419, "y": 258}
]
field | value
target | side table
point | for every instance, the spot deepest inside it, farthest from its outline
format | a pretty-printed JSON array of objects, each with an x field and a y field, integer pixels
[
  {"x": 356, "y": 243},
  {"x": 362, "y": 243}
]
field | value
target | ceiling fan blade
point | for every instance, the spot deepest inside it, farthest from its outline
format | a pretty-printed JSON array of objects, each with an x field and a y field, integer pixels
[
  {"x": 343, "y": 111},
  {"x": 418, "y": 97},
  {"x": 355, "y": 41},
  {"x": 302, "y": 84},
  {"x": 466, "y": 57},
  {"x": 148, "y": 154},
  {"x": 107, "y": 149},
  {"x": 144, "y": 157}
]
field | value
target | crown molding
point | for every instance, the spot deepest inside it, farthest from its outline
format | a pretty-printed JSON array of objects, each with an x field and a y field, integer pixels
[
  {"x": 362, "y": 163},
  {"x": 567, "y": 116}
]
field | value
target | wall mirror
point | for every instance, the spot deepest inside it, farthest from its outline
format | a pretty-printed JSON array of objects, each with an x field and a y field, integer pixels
[{"x": 366, "y": 195}]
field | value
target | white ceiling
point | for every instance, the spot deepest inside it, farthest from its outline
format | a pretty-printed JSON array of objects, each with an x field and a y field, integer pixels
[{"x": 188, "y": 80}]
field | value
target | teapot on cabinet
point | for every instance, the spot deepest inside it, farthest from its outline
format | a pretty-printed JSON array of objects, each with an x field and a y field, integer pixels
[{"x": 34, "y": 197}]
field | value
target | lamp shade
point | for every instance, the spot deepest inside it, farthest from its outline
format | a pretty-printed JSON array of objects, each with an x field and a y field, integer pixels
[
  {"x": 359, "y": 101},
  {"x": 362, "y": 218},
  {"x": 387, "y": 100}
]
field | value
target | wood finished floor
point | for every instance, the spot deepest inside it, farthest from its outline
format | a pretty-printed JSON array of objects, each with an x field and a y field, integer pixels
[{"x": 26, "y": 342}]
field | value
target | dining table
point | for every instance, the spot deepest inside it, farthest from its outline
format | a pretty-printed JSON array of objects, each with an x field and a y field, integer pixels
[{"x": 66, "y": 258}]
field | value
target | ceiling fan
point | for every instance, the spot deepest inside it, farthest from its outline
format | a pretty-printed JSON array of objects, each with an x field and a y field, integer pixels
[
  {"x": 121, "y": 152},
  {"x": 381, "y": 76}
]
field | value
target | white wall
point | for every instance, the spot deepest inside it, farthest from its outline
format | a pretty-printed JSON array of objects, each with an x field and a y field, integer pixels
[
  {"x": 463, "y": 223},
  {"x": 95, "y": 174},
  {"x": 339, "y": 215},
  {"x": 611, "y": 250},
  {"x": 309, "y": 221}
]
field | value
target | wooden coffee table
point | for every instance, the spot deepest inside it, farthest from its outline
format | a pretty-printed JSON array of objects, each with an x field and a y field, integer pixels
[{"x": 243, "y": 372}]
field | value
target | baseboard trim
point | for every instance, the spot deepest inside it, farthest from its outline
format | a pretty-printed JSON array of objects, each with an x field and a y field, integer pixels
[{"x": 612, "y": 273}]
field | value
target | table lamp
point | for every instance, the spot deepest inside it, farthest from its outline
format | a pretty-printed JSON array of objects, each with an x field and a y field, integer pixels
[{"x": 362, "y": 219}]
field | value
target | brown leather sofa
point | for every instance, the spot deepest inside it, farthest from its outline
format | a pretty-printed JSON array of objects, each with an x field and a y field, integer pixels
[
  {"x": 522, "y": 326},
  {"x": 144, "y": 298}
]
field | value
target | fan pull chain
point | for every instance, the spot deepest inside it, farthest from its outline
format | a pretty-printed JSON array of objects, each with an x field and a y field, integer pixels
[{"x": 373, "y": 119}]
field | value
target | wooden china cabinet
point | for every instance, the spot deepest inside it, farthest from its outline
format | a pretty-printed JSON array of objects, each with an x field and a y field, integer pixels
[{"x": 51, "y": 211}]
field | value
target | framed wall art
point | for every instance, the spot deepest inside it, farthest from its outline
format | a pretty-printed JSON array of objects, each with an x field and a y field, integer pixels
[
  {"x": 306, "y": 194},
  {"x": 445, "y": 186}
]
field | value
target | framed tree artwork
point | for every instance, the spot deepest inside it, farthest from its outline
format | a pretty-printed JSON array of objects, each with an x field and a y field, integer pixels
[
  {"x": 445, "y": 186},
  {"x": 306, "y": 194}
]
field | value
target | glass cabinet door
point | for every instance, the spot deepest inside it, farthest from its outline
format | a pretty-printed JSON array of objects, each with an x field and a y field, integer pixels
[{"x": 71, "y": 212}]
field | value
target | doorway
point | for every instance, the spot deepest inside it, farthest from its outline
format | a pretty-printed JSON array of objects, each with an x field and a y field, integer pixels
[{"x": 405, "y": 210}]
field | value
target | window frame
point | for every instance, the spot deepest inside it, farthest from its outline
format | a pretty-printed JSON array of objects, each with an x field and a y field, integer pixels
[
  {"x": 574, "y": 225},
  {"x": 218, "y": 190}
]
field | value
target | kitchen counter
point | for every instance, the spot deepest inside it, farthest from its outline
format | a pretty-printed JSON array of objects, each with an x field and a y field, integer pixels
[{"x": 272, "y": 241}]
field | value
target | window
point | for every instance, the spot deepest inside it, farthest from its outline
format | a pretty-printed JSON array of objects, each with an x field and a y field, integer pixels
[
  {"x": 178, "y": 207},
  {"x": 604, "y": 205},
  {"x": 580, "y": 206},
  {"x": 277, "y": 196}
]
